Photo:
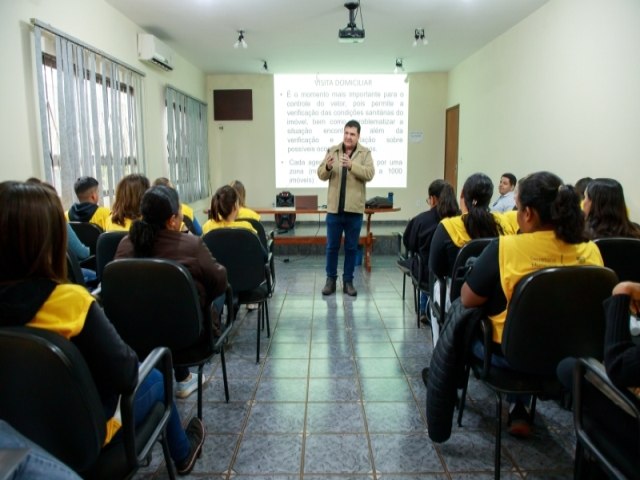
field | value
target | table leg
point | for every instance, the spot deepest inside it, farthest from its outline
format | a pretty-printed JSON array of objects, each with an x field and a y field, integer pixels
[{"x": 368, "y": 245}]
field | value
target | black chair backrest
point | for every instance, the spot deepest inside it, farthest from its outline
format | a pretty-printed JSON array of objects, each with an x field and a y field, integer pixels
[
  {"x": 88, "y": 234},
  {"x": 49, "y": 396},
  {"x": 106, "y": 249},
  {"x": 257, "y": 225},
  {"x": 151, "y": 302},
  {"x": 556, "y": 313},
  {"x": 242, "y": 254},
  {"x": 622, "y": 255},
  {"x": 459, "y": 271}
]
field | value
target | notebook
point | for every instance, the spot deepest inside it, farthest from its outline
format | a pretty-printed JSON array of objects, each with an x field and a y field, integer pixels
[{"x": 306, "y": 202}]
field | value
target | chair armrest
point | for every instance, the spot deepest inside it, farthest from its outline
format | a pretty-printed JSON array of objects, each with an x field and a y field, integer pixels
[
  {"x": 160, "y": 359},
  {"x": 594, "y": 372},
  {"x": 271, "y": 240}
]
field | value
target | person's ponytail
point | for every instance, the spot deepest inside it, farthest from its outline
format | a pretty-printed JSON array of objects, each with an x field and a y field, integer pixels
[
  {"x": 567, "y": 217},
  {"x": 143, "y": 237}
]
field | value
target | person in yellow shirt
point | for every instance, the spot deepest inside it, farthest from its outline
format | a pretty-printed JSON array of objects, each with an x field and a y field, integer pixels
[
  {"x": 189, "y": 222},
  {"x": 244, "y": 211},
  {"x": 87, "y": 209},
  {"x": 34, "y": 292},
  {"x": 126, "y": 206},
  {"x": 552, "y": 235},
  {"x": 224, "y": 211}
]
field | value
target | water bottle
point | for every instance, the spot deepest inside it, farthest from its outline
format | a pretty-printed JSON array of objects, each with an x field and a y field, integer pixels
[{"x": 390, "y": 197}]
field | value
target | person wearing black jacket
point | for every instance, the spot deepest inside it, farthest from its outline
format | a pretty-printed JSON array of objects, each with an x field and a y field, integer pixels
[
  {"x": 417, "y": 236},
  {"x": 34, "y": 293}
]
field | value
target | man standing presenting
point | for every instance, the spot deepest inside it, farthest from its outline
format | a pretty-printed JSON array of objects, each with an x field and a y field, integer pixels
[
  {"x": 506, "y": 200},
  {"x": 347, "y": 166}
]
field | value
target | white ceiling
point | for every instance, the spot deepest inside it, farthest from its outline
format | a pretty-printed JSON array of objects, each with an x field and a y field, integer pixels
[{"x": 302, "y": 36}]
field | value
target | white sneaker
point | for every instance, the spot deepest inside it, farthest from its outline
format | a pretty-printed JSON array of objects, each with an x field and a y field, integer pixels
[
  {"x": 187, "y": 386},
  {"x": 252, "y": 306}
]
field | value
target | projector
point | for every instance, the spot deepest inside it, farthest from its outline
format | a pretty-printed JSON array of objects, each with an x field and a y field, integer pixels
[{"x": 351, "y": 35}]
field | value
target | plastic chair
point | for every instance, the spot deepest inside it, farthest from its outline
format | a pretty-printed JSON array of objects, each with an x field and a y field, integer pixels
[
  {"x": 106, "y": 249},
  {"x": 622, "y": 255},
  {"x": 55, "y": 404},
  {"x": 607, "y": 423},
  {"x": 154, "y": 302},
  {"x": 402, "y": 262},
  {"x": 88, "y": 234},
  {"x": 268, "y": 242},
  {"x": 248, "y": 272},
  {"x": 554, "y": 313}
]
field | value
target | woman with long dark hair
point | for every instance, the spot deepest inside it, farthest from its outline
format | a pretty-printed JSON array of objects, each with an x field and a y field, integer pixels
[
  {"x": 34, "y": 293},
  {"x": 476, "y": 221},
  {"x": 419, "y": 232},
  {"x": 606, "y": 210},
  {"x": 225, "y": 205},
  {"x": 551, "y": 235},
  {"x": 157, "y": 235}
]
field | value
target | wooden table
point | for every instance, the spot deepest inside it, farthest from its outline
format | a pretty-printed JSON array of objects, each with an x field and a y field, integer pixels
[{"x": 368, "y": 239}]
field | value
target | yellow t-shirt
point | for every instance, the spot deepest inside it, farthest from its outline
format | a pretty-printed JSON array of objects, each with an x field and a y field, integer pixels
[
  {"x": 519, "y": 255},
  {"x": 115, "y": 227},
  {"x": 65, "y": 312},
  {"x": 213, "y": 225},
  {"x": 99, "y": 217},
  {"x": 245, "y": 212},
  {"x": 459, "y": 235}
]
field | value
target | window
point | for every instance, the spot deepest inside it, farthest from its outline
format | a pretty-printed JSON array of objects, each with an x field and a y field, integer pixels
[
  {"x": 187, "y": 145},
  {"x": 90, "y": 112}
]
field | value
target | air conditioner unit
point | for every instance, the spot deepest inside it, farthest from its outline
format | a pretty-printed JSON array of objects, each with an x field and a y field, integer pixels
[{"x": 153, "y": 51}]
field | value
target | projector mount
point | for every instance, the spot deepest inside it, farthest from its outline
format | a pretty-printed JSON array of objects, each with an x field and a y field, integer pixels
[{"x": 351, "y": 33}]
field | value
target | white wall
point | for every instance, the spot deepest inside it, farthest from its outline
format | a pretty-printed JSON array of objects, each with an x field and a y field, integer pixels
[
  {"x": 245, "y": 150},
  {"x": 99, "y": 25},
  {"x": 561, "y": 92}
]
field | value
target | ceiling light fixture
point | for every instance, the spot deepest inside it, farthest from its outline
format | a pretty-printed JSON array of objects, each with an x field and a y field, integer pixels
[
  {"x": 240, "y": 42},
  {"x": 399, "y": 68},
  {"x": 418, "y": 36}
]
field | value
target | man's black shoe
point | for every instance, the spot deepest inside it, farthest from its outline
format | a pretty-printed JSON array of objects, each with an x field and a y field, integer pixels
[
  {"x": 349, "y": 289},
  {"x": 329, "y": 287}
]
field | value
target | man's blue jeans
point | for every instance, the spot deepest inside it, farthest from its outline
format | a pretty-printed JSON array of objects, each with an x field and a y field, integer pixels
[{"x": 350, "y": 224}]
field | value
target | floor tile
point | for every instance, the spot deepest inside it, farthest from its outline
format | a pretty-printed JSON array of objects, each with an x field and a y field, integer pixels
[
  {"x": 321, "y": 417},
  {"x": 337, "y": 454}
]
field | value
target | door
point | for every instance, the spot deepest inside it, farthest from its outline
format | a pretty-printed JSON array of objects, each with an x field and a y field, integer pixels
[{"x": 451, "y": 145}]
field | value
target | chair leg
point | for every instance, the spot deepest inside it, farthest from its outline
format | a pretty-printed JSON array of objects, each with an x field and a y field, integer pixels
[
  {"x": 533, "y": 408},
  {"x": 171, "y": 470},
  {"x": 200, "y": 375},
  {"x": 258, "y": 333},
  {"x": 496, "y": 456},
  {"x": 266, "y": 315},
  {"x": 224, "y": 373},
  {"x": 404, "y": 284},
  {"x": 463, "y": 394}
]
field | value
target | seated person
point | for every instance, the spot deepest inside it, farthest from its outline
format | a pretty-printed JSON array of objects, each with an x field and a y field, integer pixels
[
  {"x": 87, "y": 208},
  {"x": 157, "y": 235},
  {"x": 34, "y": 293},
  {"x": 243, "y": 211},
  {"x": 475, "y": 222},
  {"x": 621, "y": 355},
  {"x": 580, "y": 187},
  {"x": 189, "y": 222},
  {"x": 126, "y": 206},
  {"x": 552, "y": 235},
  {"x": 606, "y": 211},
  {"x": 506, "y": 187},
  {"x": 417, "y": 236},
  {"x": 224, "y": 211},
  {"x": 38, "y": 464}
]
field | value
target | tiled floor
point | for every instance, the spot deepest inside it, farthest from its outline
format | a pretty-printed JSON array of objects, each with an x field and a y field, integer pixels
[{"x": 338, "y": 395}]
